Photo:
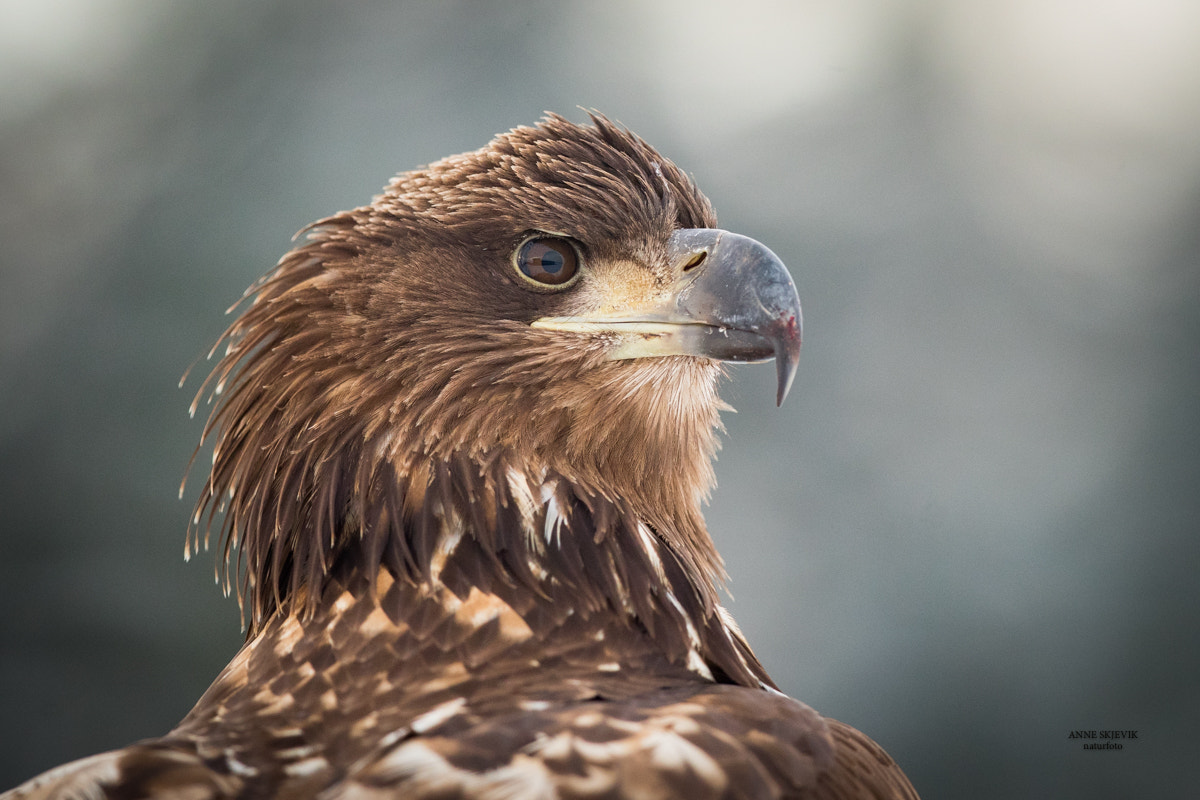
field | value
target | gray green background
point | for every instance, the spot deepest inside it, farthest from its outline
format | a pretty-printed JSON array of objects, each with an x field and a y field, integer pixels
[{"x": 971, "y": 529}]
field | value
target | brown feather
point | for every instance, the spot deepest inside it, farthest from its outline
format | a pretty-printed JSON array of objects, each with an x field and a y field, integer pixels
[
  {"x": 471, "y": 551},
  {"x": 365, "y": 352}
]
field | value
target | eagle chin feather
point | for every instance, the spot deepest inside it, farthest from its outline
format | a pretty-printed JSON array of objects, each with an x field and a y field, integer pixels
[{"x": 465, "y": 523}]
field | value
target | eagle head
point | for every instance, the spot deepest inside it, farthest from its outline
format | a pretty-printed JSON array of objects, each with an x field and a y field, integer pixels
[{"x": 556, "y": 303}]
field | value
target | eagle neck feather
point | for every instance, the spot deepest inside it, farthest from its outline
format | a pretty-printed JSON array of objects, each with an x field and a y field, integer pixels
[{"x": 309, "y": 493}]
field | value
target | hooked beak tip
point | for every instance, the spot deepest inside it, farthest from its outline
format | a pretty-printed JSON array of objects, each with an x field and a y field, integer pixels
[{"x": 787, "y": 355}]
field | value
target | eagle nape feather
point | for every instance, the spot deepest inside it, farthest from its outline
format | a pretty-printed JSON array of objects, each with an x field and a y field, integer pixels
[{"x": 461, "y": 440}]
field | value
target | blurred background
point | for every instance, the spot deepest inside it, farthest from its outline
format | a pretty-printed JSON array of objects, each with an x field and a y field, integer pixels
[{"x": 973, "y": 527}]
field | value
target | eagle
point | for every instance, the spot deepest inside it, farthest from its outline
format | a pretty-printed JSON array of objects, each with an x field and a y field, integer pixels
[{"x": 461, "y": 441}]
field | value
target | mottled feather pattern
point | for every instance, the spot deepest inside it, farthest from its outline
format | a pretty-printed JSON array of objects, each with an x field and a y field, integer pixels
[
  {"x": 405, "y": 675},
  {"x": 470, "y": 551}
]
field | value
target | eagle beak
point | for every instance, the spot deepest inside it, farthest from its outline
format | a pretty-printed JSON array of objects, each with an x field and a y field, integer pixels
[{"x": 733, "y": 300}]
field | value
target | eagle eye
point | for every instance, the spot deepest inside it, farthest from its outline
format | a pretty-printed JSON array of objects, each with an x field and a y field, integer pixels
[{"x": 547, "y": 261}]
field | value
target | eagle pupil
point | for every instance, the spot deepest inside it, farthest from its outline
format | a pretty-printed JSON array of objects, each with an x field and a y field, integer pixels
[{"x": 550, "y": 261}]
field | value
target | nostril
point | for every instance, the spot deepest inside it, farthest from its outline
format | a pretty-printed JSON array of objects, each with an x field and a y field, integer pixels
[{"x": 696, "y": 260}]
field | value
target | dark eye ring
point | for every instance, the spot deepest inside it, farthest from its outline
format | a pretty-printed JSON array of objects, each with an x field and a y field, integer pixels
[{"x": 549, "y": 262}]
